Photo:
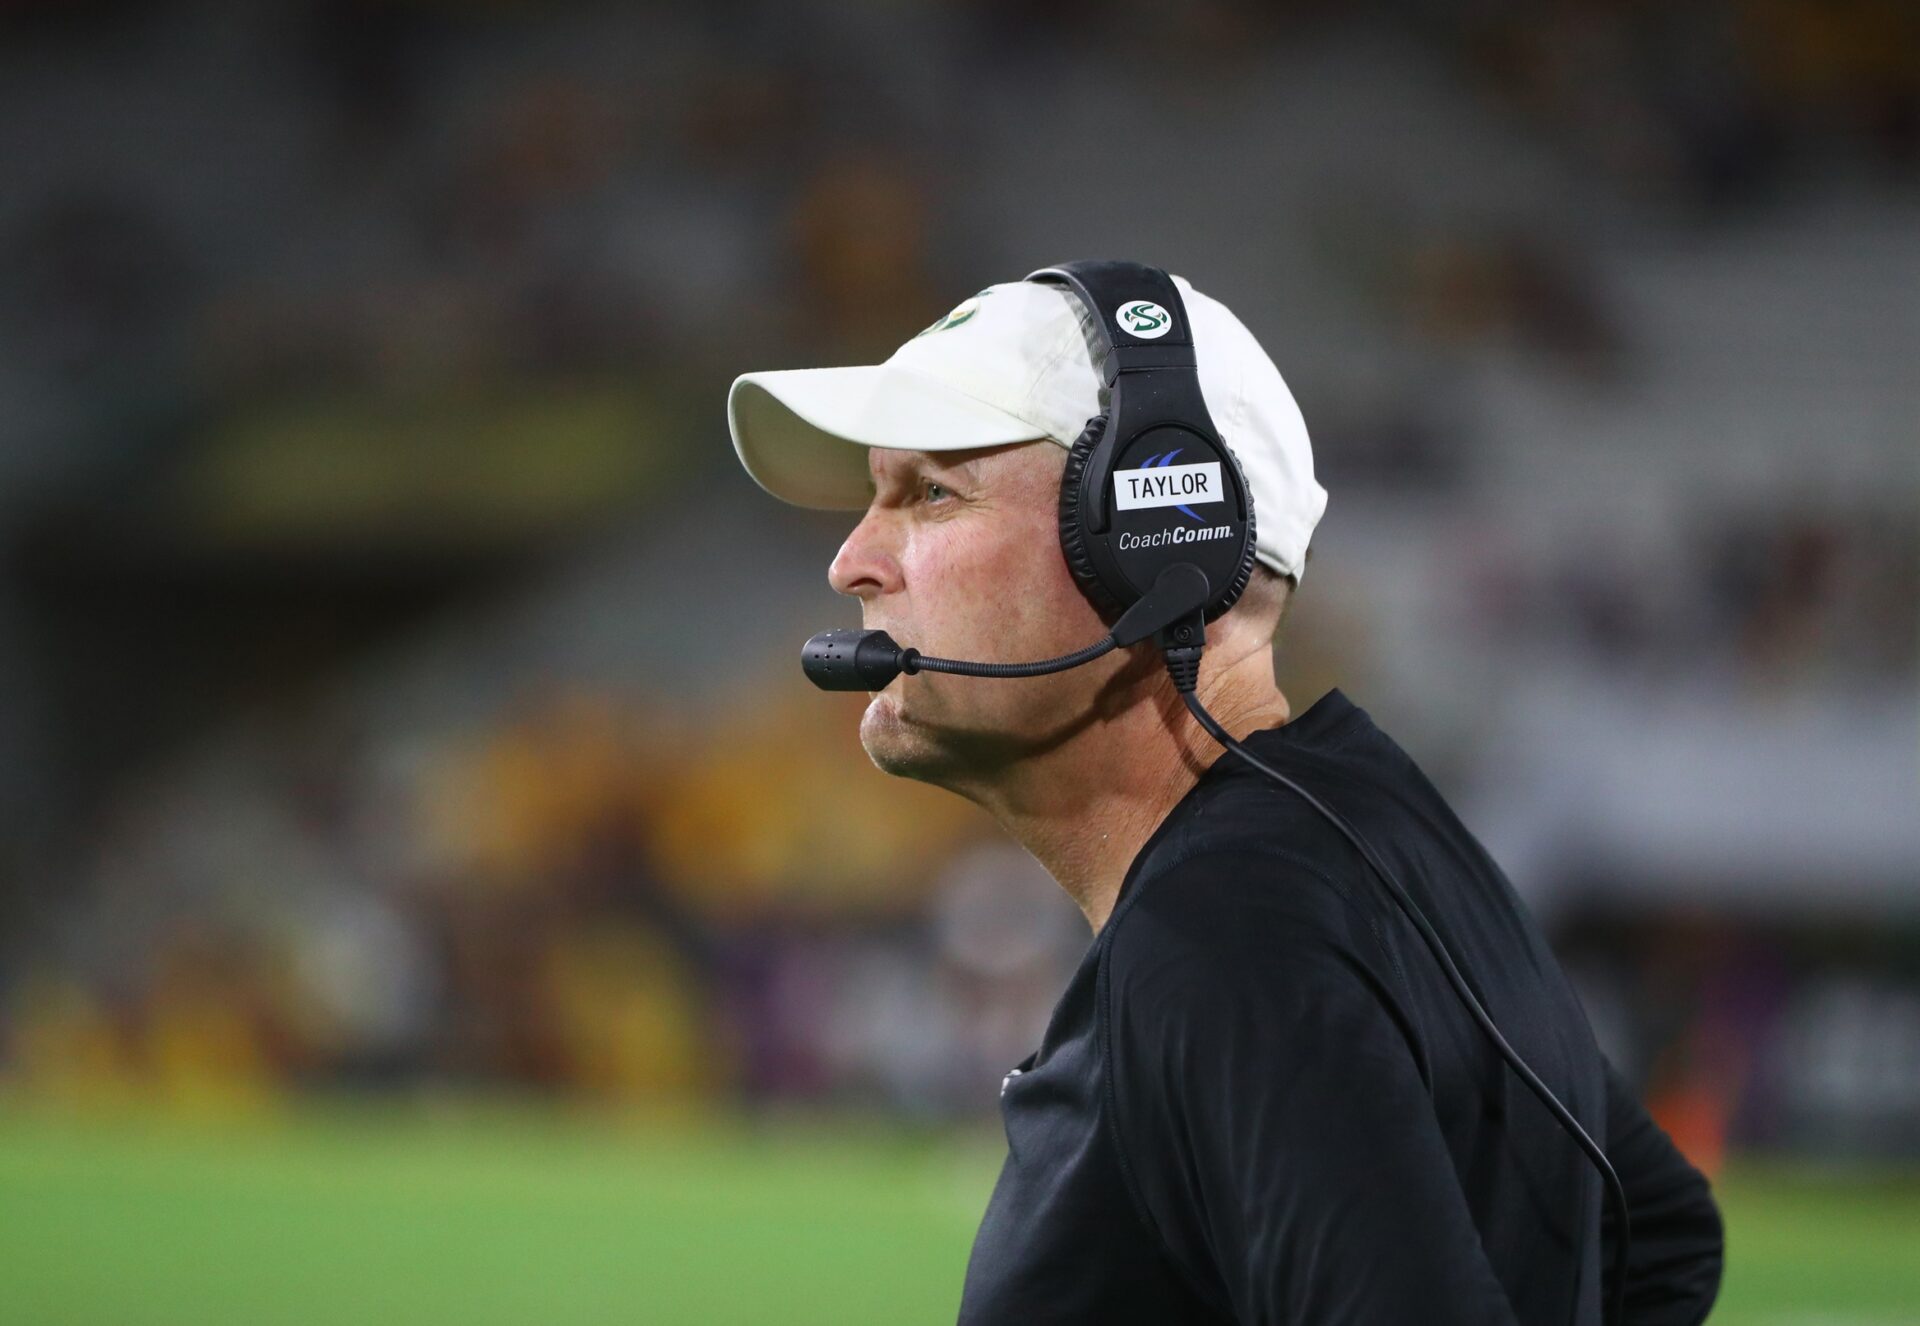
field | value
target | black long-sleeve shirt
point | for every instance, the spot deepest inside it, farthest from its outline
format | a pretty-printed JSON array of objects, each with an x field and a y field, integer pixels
[{"x": 1259, "y": 1101}]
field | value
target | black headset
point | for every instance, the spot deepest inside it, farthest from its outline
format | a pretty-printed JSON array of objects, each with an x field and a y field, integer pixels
[
  {"x": 1157, "y": 525},
  {"x": 1149, "y": 483}
]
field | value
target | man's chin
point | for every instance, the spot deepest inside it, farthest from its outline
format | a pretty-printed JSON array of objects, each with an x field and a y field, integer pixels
[
  {"x": 896, "y": 744},
  {"x": 946, "y": 754}
]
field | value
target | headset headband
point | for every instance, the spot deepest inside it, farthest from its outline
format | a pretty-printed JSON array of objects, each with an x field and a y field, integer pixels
[
  {"x": 1106, "y": 287},
  {"x": 1118, "y": 543}
]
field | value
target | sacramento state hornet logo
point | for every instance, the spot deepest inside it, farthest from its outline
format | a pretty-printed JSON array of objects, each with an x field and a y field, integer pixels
[
  {"x": 1143, "y": 318},
  {"x": 965, "y": 309}
]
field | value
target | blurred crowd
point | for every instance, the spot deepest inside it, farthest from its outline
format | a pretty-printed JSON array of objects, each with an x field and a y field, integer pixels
[
  {"x": 585, "y": 896},
  {"x": 410, "y": 319}
]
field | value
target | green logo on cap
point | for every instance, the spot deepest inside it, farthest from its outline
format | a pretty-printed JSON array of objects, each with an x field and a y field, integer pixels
[
  {"x": 1144, "y": 318},
  {"x": 965, "y": 309}
]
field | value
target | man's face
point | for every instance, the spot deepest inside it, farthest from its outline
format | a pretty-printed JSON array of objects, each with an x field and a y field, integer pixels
[{"x": 959, "y": 556}]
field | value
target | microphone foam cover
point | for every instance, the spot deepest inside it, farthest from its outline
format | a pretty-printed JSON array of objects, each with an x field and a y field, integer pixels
[{"x": 851, "y": 660}]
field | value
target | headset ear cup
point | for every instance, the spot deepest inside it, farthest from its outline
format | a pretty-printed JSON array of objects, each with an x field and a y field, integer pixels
[
  {"x": 1244, "y": 572},
  {"x": 1073, "y": 534}
]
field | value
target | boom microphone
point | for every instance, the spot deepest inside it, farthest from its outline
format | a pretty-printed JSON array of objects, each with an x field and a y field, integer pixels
[{"x": 851, "y": 660}]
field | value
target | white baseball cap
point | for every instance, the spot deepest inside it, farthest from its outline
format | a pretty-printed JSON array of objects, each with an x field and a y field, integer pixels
[{"x": 1014, "y": 363}]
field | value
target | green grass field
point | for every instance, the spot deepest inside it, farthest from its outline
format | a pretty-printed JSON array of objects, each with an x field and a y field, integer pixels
[{"x": 494, "y": 1215}]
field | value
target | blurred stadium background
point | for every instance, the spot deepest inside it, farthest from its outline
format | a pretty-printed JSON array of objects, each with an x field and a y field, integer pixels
[{"x": 428, "y": 890}]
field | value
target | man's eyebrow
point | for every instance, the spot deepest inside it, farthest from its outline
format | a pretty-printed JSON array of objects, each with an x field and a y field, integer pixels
[
  {"x": 922, "y": 464},
  {"x": 966, "y": 469},
  {"x": 896, "y": 476}
]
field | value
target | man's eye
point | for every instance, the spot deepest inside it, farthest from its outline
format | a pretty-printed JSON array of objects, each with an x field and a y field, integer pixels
[{"x": 936, "y": 491}]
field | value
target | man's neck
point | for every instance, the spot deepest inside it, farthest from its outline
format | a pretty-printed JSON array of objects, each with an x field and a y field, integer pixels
[{"x": 1085, "y": 808}]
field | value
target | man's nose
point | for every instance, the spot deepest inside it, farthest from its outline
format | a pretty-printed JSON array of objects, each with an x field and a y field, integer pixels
[{"x": 865, "y": 566}]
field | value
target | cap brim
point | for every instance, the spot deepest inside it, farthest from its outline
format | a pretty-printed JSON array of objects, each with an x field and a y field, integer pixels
[{"x": 803, "y": 433}]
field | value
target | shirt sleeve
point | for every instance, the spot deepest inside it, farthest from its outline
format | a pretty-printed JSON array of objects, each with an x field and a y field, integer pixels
[
  {"x": 1275, "y": 1124},
  {"x": 1675, "y": 1254}
]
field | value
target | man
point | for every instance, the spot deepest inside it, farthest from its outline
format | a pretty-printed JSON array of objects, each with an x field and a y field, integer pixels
[{"x": 1259, "y": 1100}]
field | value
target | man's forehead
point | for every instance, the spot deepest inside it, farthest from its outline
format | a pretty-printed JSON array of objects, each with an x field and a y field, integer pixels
[{"x": 974, "y": 462}]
